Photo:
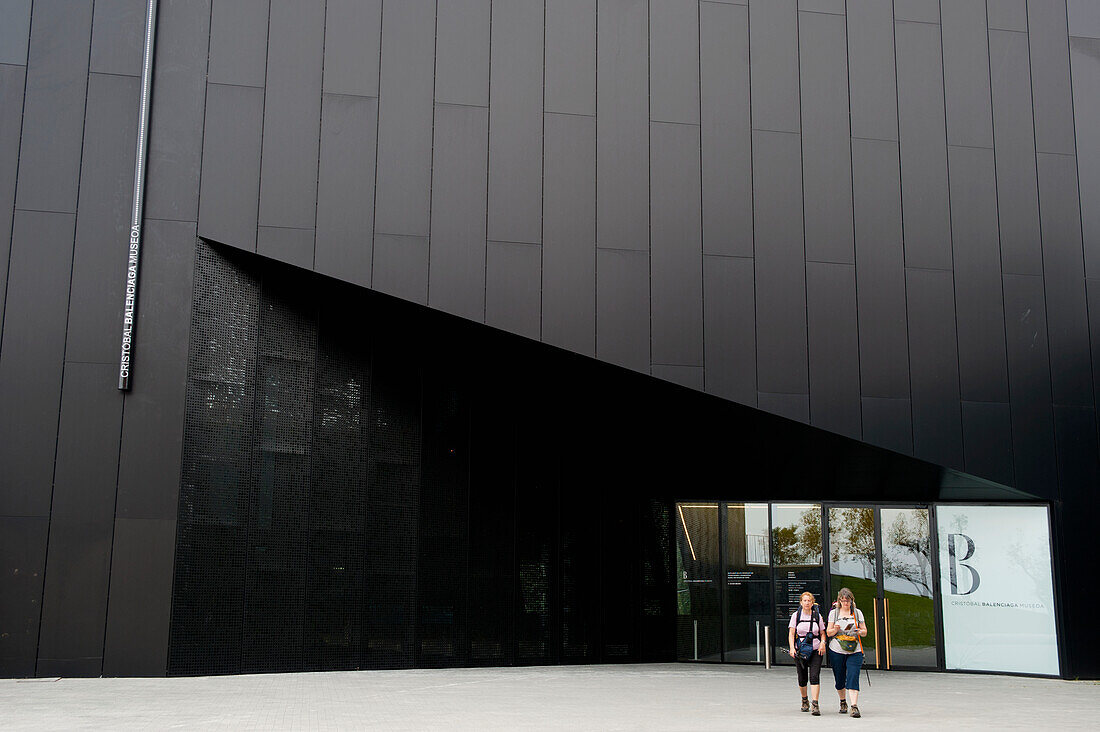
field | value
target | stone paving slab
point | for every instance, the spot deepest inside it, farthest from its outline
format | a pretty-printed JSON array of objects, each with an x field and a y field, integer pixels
[{"x": 631, "y": 697}]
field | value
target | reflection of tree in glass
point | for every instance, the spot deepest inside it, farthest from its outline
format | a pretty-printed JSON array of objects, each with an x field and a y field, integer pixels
[
  {"x": 798, "y": 544},
  {"x": 1028, "y": 562},
  {"x": 909, "y": 531},
  {"x": 852, "y": 537}
]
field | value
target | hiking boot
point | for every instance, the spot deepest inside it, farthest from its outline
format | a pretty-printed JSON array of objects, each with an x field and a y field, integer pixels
[
  {"x": 815, "y": 710},
  {"x": 843, "y": 706},
  {"x": 854, "y": 713},
  {"x": 806, "y": 704}
]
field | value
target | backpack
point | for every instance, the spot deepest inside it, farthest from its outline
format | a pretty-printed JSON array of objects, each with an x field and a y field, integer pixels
[{"x": 804, "y": 644}]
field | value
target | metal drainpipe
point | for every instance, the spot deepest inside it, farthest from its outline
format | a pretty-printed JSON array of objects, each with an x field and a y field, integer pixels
[{"x": 129, "y": 306}]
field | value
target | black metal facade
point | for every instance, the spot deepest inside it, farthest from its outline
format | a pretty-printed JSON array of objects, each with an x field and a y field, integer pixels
[{"x": 880, "y": 218}]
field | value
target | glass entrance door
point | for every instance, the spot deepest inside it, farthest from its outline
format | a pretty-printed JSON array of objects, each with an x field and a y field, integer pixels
[{"x": 884, "y": 556}]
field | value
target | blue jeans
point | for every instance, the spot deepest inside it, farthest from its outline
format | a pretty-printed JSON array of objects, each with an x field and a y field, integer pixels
[{"x": 846, "y": 669}]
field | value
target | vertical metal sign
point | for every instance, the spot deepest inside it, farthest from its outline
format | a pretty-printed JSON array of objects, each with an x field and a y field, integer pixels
[{"x": 129, "y": 304}]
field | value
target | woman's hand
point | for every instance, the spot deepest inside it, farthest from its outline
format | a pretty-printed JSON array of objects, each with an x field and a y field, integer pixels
[
  {"x": 791, "y": 652},
  {"x": 821, "y": 650}
]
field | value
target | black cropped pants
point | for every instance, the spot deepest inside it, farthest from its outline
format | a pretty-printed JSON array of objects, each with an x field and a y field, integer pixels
[{"x": 809, "y": 667}]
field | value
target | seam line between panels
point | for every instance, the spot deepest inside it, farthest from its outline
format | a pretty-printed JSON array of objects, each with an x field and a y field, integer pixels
[
  {"x": 377, "y": 135},
  {"x": 1000, "y": 252},
  {"x": 802, "y": 207},
  {"x": 68, "y": 310},
  {"x": 320, "y": 133}
]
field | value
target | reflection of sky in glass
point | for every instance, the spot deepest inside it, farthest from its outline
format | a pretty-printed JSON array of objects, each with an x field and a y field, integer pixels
[
  {"x": 906, "y": 551},
  {"x": 796, "y": 534}
]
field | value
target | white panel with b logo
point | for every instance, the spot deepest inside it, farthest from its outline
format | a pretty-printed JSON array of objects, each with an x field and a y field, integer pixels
[{"x": 996, "y": 589}]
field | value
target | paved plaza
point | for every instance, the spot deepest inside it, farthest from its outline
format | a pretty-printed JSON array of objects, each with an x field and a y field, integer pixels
[{"x": 636, "y": 697}]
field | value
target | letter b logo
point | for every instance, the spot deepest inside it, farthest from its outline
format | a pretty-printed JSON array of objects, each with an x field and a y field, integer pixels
[{"x": 956, "y": 562}]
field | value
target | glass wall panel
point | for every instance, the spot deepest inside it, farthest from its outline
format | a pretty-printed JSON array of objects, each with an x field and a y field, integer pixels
[
  {"x": 748, "y": 581},
  {"x": 907, "y": 583},
  {"x": 853, "y": 563},
  {"x": 998, "y": 593},
  {"x": 796, "y": 555},
  {"x": 698, "y": 623}
]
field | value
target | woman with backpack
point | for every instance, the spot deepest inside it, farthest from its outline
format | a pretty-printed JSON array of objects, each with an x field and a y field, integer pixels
[
  {"x": 846, "y": 628},
  {"x": 807, "y": 641}
]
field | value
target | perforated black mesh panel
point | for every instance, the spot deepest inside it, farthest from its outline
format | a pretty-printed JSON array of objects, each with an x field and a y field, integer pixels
[{"x": 364, "y": 487}]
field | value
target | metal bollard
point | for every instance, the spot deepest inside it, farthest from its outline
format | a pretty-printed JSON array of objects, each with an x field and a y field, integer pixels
[{"x": 767, "y": 647}]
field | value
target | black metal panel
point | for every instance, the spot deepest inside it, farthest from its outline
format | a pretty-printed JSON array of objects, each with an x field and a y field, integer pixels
[
  {"x": 924, "y": 190},
  {"x": 292, "y": 116},
  {"x": 345, "y": 187},
  {"x": 689, "y": 376},
  {"x": 53, "y": 106},
  {"x": 1014, "y": 144},
  {"x": 238, "y": 42},
  {"x": 31, "y": 358},
  {"x": 152, "y": 427},
  {"x": 966, "y": 74},
  {"x": 176, "y": 120},
  {"x": 492, "y": 528},
  {"x": 871, "y": 74},
  {"x": 888, "y": 423},
  {"x": 780, "y": 269},
  {"x": 456, "y": 275},
  {"x": 571, "y": 56},
  {"x": 791, "y": 406},
  {"x": 726, "y": 136},
  {"x": 674, "y": 61},
  {"x": 983, "y": 366},
  {"x": 987, "y": 438},
  {"x": 229, "y": 195},
  {"x": 22, "y": 561},
  {"x": 676, "y": 280},
  {"x": 353, "y": 42},
  {"x": 833, "y": 347},
  {"x": 74, "y": 605},
  {"x": 462, "y": 52},
  {"x": 103, "y": 223},
  {"x": 293, "y": 246},
  {"x": 138, "y": 614},
  {"x": 836, "y": 7},
  {"x": 1007, "y": 14},
  {"x": 1063, "y": 268},
  {"x": 403, "y": 194},
  {"x": 826, "y": 148},
  {"x": 773, "y": 43},
  {"x": 15, "y": 32},
  {"x": 622, "y": 308},
  {"x": 1050, "y": 76},
  {"x": 1084, "y": 19},
  {"x": 1078, "y": 465},
  {"x": 729, "y": 327},
  {"x": 513, "y": 278},
  {"x": 210, "y": 559},
  {"x": 622, "y": 127},
  {"x": 74, "y": 598},
  {"x": 118, "y": 37},
  {"x": 924, "y": 11},
  {"x": 569, "y": 233},
  {"x": 401, "y": 266},
  {"x": 12, "y": 79},
  {"x": 883, "y": 343},
  {"x": 515, "y": 123},
  {"x": 1085, "y": 55},
  {"x": 444, "y": 522},
  {"x": 1029, "y": 384},
  {"x": 934, "y": 366}
]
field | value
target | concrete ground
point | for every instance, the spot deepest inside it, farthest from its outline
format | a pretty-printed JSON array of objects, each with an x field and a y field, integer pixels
[{"x": 643, "y": 697}]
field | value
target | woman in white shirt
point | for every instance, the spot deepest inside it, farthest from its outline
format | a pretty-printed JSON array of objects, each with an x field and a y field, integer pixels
[{"x": 846, "y": 629}]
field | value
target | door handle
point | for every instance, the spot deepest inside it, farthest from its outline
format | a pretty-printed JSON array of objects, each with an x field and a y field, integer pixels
[
  {"x": 875, "y": 625},
  {"x": 886, "y": 624}
]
